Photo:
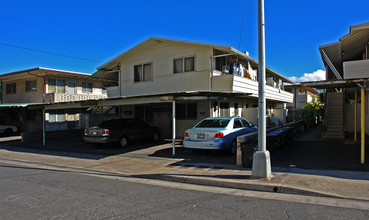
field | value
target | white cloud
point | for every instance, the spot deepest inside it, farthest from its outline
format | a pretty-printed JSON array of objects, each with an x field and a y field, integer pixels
[{"x": 318, "y": 75}]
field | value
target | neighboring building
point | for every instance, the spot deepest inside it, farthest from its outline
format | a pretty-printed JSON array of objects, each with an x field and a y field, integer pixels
[
  {"x": 347, "y": 73},
  {"x": 204, "y": 80},
  {"x": 43, "y": 85},
  {"x": 302, "y": 95}
]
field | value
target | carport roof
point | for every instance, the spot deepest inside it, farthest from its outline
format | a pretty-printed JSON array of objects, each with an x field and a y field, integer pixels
[
  {"x": 142, "y": 99},
  {"x": 14, "y": 105},
  {"x": 331, "y": 84}
]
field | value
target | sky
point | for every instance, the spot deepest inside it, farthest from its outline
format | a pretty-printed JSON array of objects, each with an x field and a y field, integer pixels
[{"x": 90, "y": 33}]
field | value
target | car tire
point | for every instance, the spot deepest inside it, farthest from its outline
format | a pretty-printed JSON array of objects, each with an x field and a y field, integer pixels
[
  {"x": 155, "y": 137},
  {"x": 123, "y": 142},
  {"x": 233, "y": 148}
]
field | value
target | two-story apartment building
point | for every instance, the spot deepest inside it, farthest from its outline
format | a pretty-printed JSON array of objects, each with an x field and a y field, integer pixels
[
  {"x": 201, "y": 79},
  {"x": 43, "y": 85},
  {"x": 347, "y": 74}
]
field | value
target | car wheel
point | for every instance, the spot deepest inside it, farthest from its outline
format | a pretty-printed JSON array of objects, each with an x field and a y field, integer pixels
[
  {"x": 233, "y": 148},
  {"x": 123, "y": 142},
  {"x": 155, "y": 137}
]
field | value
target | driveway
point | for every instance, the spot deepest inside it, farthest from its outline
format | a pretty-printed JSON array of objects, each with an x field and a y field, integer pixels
[{"x": 308, "y": 151}]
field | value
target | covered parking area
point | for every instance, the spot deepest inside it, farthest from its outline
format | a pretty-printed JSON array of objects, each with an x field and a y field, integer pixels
[{"x": 167, "y": 109}]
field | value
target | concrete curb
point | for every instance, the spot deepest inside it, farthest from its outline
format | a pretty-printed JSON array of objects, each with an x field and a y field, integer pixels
[{"x": 260, "y": 185}]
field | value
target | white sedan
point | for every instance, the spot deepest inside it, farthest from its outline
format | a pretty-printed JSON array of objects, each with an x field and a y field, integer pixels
[{"x": 218, "y": 133}]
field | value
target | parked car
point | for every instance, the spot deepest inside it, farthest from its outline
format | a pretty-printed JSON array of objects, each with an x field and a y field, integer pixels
[
  {"x": 8, "y": 129},
  {"x": 122, "y": 131},
  {"x": 218, "y": 133}
]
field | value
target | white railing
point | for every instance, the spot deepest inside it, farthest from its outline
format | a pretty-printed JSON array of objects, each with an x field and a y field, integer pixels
[
  {"x": 356, "y": 69},
  {"x": 65, "y": 97},
  {"x": 233, "y": 83}
]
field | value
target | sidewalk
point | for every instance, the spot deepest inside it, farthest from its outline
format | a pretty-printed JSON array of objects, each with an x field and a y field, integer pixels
[{"x": 141, "y": 164}]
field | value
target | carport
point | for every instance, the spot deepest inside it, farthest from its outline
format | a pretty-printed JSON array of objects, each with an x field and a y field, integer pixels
[{"x": 171, "y": 98}]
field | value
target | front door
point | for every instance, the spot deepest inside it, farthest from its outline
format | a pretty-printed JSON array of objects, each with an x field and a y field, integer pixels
[{"x": 71, "y": 87}]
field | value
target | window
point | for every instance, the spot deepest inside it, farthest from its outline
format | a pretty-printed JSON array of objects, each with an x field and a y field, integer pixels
[
  {"x": 142, "y": 72},
  {"x": 31, "y": 85},
  {"x": 71, "y": 87},
  {"x": 186, "y": 111},
  {"x": 56, "y": 86},
  {"x": 245, "y": 123},
  {"x": 56, "y": 116},
  {"x": 10, "y": 88},
  {"x": 237, "y": 123},
  {"x": 184, "y": 64},
  {"x": 86, "y": 87}
]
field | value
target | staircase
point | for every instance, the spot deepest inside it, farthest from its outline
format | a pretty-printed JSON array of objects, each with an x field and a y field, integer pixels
[{"x": 334, "y": 116}]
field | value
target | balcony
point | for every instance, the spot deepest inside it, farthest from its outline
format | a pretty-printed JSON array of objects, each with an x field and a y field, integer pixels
[
  {"x": 234, "y": 83},
  {"x": 356, "y": 69},
  {"x": 66, "y": 97}
]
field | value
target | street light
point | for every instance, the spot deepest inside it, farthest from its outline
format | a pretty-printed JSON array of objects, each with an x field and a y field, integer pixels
[{"x": 261, "y": 167}]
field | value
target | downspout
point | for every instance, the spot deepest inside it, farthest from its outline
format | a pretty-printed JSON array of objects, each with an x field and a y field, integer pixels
[
  {"x": 210, "y": 74},
  {"x": 119, "y": 81},
  {"x": 44, "y": 93}
]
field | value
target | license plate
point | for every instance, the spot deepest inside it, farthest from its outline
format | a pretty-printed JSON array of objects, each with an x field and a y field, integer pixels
[{"x": 200, "y": 136}]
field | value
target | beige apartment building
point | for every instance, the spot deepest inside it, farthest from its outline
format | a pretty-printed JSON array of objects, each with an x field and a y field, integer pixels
[{"x": 26, "y": 88}]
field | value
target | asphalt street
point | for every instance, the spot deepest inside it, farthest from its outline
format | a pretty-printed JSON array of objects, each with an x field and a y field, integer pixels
[{"x": 31, "y": 192}]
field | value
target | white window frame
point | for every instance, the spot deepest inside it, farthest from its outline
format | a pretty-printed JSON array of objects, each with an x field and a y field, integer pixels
[
  {"x": 31, "y": 86},
  {"x": 75, "y": 87},
  {"x": 56, "y": 116},
  {"x": 56, "y": 86},
  {"x": 184, "y": 64},
  {"x": 11, "y": 88},
  {"x": 143, "y": 74},
  {"x": 84, "y": 87}
]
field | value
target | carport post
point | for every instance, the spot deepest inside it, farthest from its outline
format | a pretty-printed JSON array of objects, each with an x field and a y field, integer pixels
[
  {"x": 355, "y": 133},
  {"x": 174, "y": 126},
  {"x": 362, "y": 125},
  {"x": 43, "y": 128}
]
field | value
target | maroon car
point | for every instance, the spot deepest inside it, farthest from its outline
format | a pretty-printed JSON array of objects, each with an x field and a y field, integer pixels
[{"x": 122, "y": 131}]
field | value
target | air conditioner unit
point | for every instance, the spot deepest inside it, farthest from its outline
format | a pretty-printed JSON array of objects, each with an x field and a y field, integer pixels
[{"x": 225, "y": 69}]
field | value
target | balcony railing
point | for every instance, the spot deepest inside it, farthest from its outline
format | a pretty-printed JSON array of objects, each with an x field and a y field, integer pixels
[
  {"x": 233, "y": 83},
  {"x": 356, "y": 69},
  {"x": 65, "y": 97}
]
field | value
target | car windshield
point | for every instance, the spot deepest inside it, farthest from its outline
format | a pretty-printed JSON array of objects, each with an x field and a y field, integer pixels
[{"x": 213, "y": 123}]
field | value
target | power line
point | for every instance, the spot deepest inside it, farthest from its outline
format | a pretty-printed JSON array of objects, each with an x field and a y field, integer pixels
[
  {"x": 52, "y": 53},
  {"x": 243, "y": 18}
]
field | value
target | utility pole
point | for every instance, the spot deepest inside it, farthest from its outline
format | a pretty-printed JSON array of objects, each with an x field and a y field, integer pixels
[{"x": 261, "y": 167}]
